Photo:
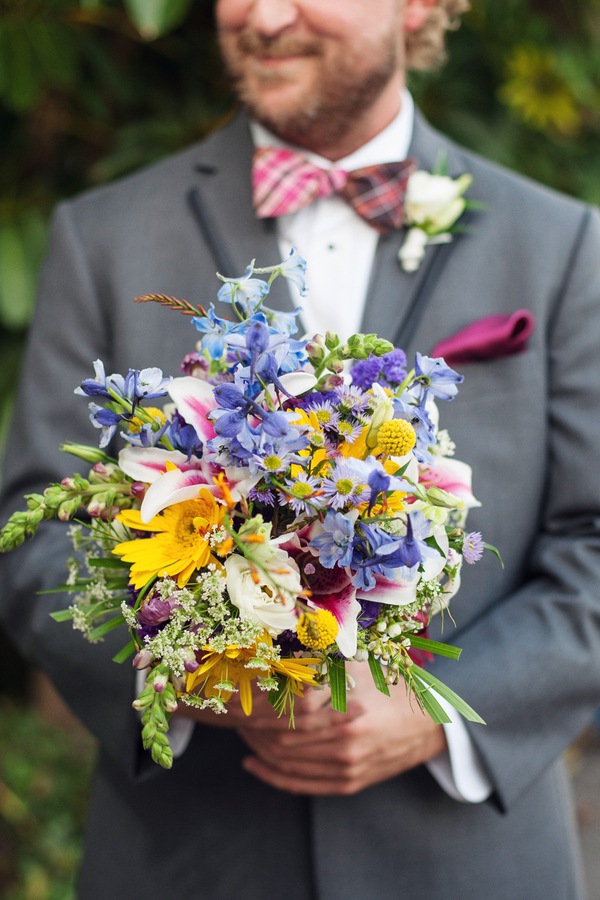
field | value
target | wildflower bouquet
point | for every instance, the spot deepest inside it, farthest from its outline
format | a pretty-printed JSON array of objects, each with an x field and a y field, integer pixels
[{"x": 277, "y": 518}]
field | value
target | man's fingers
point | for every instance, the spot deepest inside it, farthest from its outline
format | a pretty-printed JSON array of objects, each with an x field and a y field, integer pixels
[{"x": 299, "y": 785}]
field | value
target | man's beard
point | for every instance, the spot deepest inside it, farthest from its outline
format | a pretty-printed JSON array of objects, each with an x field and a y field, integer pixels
[{"x": 336, "y": 100}]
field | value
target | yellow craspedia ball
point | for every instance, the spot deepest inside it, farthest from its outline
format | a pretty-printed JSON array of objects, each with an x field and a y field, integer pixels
[
  {"x": 317, "y": 630},
  {"x": 396, "y": 437}
]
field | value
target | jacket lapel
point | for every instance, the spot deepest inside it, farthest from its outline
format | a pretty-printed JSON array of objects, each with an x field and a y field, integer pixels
[
  {"x": 220, "y": 201},
  {"x": 397, "y": 299}
]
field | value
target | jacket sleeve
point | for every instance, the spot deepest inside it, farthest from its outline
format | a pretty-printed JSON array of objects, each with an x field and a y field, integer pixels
[
  {"x": 69, "y": 331},
  {"x": 531, "y": 663}
]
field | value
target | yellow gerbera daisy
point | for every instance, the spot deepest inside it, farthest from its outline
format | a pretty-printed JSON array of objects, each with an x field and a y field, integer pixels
[
  {"x": 179, "y": 544},
  {"x": 230, "y": 666}
]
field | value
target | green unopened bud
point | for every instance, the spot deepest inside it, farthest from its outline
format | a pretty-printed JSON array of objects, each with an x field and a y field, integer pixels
[
  {"x": 148, "y": 732},
  {"x": 34, "y": 501},
  {"x": 331, "y": 340},
  {"x": 370, "y": 341},
  {"x": 382, "y": 347},
  {"x": 88, "y": 454},
  {"x": 355, "y": 340},
  {"x": 336, "y": 366},
  {"x": 438, "y": 497},
  {"x": 329, "y": 383},
  {"x": 68, "y": 509},
  {"x": 360, "y": 353},
  {"x": 316, "y": 354}
]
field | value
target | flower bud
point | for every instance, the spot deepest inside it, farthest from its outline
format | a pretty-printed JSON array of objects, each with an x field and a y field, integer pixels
[
  {"x": 381, "y": 626},
  {"x": 138, "y": 490},
  {"x": 159, "y": 683},
  {"x": 331, "y": 340},
  {"x": 142, "y": 659},
  {"x": 170, "y": 705},
  {"x": 329, "y": 383},
  {"x": 394, "y": 630},
  {"x": 381, "y": 347},
  {"x": 355, "y": 340},
  {"x": 191, "y": 664},
  {"x": 180, "y": 683},
  {"x": 438, "y": 497},
  {"x": 337, "y": 366},
  {"x": 68, "y": 509},
  {"x": 99, "y": 469},
  {"x": 68, "y": 484},
  {"x": 315, "y": 352}
]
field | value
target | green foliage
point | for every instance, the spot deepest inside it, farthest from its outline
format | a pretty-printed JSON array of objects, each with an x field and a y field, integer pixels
[{"x": 44, "y": 776}]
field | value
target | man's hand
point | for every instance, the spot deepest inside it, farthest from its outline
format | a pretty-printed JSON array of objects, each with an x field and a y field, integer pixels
[{"x": 336, "y": 753}]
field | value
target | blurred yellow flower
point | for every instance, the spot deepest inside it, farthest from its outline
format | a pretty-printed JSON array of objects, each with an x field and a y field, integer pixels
[
  {"x": 536, "y": 92},
  {"x": 237, "y": 666}
]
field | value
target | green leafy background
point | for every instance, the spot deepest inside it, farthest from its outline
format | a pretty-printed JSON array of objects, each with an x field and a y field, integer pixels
[{"x": 91, "y": 90}]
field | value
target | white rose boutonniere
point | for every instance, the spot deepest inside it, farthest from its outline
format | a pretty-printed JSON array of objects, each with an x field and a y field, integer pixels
[{"x": 433, "y": 204}]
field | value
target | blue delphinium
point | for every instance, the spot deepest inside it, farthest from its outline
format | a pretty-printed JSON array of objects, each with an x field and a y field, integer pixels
[
  {"x": 436, "y": 377},
  {"x": 336, "y": 543},
  {"x": 247, "y": 291},
  {"x": 409, "y": 551}
]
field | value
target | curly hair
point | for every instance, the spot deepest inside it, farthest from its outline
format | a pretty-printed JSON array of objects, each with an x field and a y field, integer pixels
[{"x": 425, "y": 48}]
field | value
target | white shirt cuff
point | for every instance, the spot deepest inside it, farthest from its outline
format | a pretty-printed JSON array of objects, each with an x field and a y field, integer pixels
[
  {"x": 180, "y": 730},
  {"x": 458, "y": 770}
]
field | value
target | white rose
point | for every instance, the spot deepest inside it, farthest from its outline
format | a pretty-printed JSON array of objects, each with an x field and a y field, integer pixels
[
  {"x": 262, "y": 602},
  {"x": 435, "y": 199}
]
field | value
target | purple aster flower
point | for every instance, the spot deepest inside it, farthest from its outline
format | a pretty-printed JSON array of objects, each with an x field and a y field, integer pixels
[
  {"x": 343, "y": 485},
  {"x": 349, "y": 430},
  {"x": 301, "y": 495},
  {"x": 352, "y": 399},
  {"x": 326, "y": 415},
  {"x": 472, "y": 547},
  {"x": 265, "y": 496}
]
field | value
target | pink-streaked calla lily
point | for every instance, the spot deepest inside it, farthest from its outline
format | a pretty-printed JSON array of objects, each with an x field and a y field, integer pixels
[
  {"x": 346, "y": 609},
  {"x": 176, "y": 486},
  {"x": 149, "y": 463},
  {"x": 182, "y": 484},
  {"x": 450, "y": 475},
  {"x": 194, "y": 399},
  {"x": 396, "y": 593}
]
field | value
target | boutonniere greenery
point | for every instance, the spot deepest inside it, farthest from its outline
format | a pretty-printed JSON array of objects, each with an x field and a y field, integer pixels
[{"x": 433, "y": 204}]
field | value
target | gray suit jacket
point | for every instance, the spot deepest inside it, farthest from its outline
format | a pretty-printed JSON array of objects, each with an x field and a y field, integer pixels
[{"x": 530, "y": 427}]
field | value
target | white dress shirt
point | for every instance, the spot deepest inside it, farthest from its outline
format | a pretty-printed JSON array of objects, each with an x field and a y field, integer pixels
[{"x": 340, "y": 249}]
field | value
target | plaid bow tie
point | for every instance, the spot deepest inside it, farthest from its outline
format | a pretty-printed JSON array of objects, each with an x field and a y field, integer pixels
[{"x": 283, "y": 181}]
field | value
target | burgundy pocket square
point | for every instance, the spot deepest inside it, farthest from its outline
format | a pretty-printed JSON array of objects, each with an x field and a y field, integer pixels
[{"x": 489, "y": 338}]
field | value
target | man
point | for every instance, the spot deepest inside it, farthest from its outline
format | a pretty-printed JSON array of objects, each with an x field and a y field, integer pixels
[{"x": 343, "y": 807}]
